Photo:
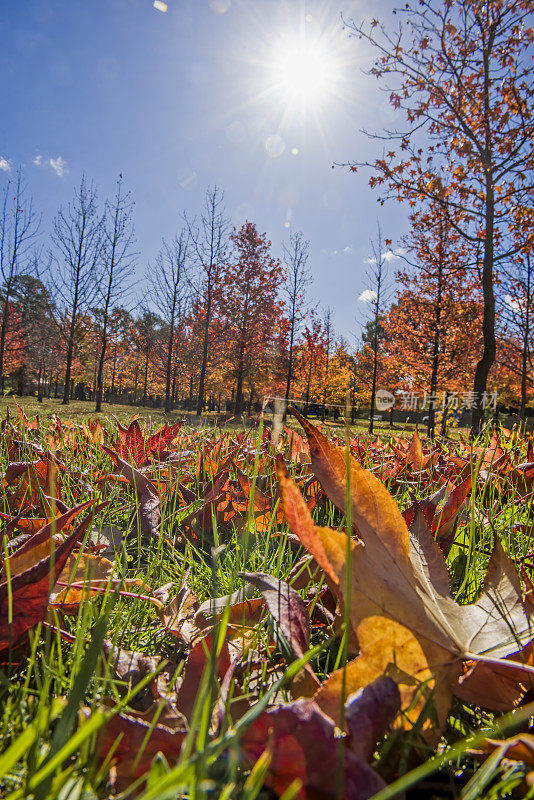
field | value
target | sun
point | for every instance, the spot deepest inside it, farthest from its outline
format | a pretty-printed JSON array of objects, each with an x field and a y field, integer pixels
[{"x": 304, "y": 73}]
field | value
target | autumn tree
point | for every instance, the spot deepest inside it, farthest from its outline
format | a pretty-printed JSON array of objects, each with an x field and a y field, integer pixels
[
  {"x": 40, "y": 354},
  {"x": 434, "y": 328},
  {"x": 461, "y": 72},
  {"x": 295, "y": 258},
  {"x": 209, "y": 237},
  {"x": 77, "y": 242},
  {"x": 250, "y": 305},
  {"x": 310, "y": 360},
  {"x": 19, "y": 226},
  {"x": 118, "y": 260},
  {"x": 147, "y": 329}
]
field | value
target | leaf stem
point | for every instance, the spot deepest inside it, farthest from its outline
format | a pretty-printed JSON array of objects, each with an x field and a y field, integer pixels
[{"x": 499, "y": 662}]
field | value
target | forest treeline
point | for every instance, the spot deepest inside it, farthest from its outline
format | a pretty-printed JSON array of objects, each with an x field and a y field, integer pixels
[{"x": 223, "y": 322}]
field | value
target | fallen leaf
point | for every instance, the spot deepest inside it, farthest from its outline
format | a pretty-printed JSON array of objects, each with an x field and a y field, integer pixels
[
  {"x": 403, "y": 577},
  {"x": 24, "y": 598},
  {"x": 302, "y": 745}
]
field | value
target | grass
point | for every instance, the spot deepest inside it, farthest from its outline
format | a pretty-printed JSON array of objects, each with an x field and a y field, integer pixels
[
  {"x": 78, "y": 410},
  {"x": 48, "y": 745}
]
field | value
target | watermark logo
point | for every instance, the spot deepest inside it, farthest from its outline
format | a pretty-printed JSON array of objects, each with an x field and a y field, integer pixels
[
  {"x": 384, "y": 400},
  {"x": 453, "y": 401}
]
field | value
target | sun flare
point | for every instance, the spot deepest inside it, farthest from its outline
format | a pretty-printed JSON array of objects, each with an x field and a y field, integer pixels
[{"x": 304, "y": 73}]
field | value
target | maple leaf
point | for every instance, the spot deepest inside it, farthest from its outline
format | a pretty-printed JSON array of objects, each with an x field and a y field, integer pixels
[
  {"x": 132, "y": 446},
  {"x": 400, "y": 602}
]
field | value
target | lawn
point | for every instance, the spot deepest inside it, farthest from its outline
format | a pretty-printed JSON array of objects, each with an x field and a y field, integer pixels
[
  {"x": 185, "y": 616},
  {"x": 78, "y": 410}
]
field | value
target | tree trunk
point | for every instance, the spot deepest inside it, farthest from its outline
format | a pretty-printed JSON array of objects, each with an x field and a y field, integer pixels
[
  {"x": 488, "y": 322},
  {"x": 100, "y": 372},
  {"x": 145, "y": 397},
  {"x": 173, "y": 390},
  {"x": 168, "y": 369},
  {"x": 40, "y": 385},
  {"x": 435, "y": 356},
  {"x": 445, "y": 412},
  {"x": 373, "y": 392},
  {"x": 290, "y": 364},
  {"x": 68, "y": 369},
  {"x": 3, "y": 334},
  {"x": 239, "y": 384},
  {"x": 524, "y": 359},
  {"x": 203, "y": 367}
]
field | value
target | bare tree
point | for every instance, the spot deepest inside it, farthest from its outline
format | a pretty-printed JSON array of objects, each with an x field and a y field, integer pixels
[
  {"x": 170, "y": 280},
  {"x": 328, "y": 331},
  {"x": 117, "y": 264},
  {"x": 376, "y": 277},
  {"x": 77, "y": 239},
  {"x": 295, "y": 257},
  {"x": 19, "y": 226},
  {"x": 209, "y": 240}
]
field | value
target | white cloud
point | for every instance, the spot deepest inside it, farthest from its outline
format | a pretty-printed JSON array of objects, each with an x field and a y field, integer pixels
[
  {"x": 38, "y": 160},
  {"x": 5, "y": 166},
  {"x": 387, "y": 256},
  {"x": 59, "y": 165},
  {"x": 367, "y": 296},
  {"x": 160, "y": 6},
  {"x": 343, "y": 252}
]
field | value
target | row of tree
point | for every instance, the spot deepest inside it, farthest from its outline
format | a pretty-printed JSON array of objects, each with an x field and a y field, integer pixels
[
  {"x": 223, "y": 321},
  {"x": 220, "y": 313}
]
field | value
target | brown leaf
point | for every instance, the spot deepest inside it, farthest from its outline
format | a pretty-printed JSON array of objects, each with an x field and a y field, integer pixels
[
  {"x": 302, "y": 743},
  {"x": 135, "y": 742},
  {"x": 38, "y": 546},
  {"x": 84, "y": 575},
  {"x": 369, "y": 712},
  {"x": 24, "y": 598},
  {"x": 414, "y": 456},
  {"x": 286, "y": 606},
  {"x": 147, "y": 494},
  {"x": 178, "y": 615},
  {"x": 404, "y": 578},
  {"x": 196, "y": 663}
]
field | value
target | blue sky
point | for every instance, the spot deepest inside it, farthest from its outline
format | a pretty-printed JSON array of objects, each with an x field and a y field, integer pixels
[{"x": 181, "y": 100}]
